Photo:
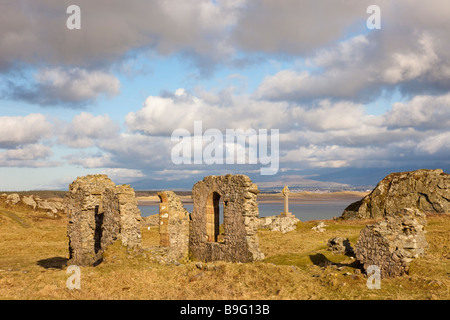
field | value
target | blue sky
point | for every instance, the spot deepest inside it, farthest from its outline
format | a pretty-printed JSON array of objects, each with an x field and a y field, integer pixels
[{"x": 348, "y": 102}]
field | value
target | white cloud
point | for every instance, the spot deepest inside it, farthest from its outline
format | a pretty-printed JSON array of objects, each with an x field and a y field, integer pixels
[
  {"x": 18, "y": 130},
  {"x": 33, "y": 155},
  {"x": 109, "y": 31},
  {"x": 421, "y": 112},
  {"x": 434, "y": 144},
  {"x": 411, "y": 65},
  {"x": 78, "y": 84},
  {"x": 85, "y": 128},
  {"x": 162, "y": 115},
  {"x": 123, "y": 173},
  {"x": 30, "y": 152},
  {"x": 72, "y": 87},
  {"x": 90, "y": 161}
]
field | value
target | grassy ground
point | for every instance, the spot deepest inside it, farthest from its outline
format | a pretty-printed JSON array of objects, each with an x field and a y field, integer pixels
[{"x": 33, "y": 251}]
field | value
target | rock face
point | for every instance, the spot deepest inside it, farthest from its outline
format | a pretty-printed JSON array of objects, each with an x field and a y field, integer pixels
[
  {"x": 240, "y": 220},
  {"x": 393, "y": 243},
  {"x": 426, "y": 190},
  {"x": 277, "y": 223},
  {"x": 99, "y": 213}
]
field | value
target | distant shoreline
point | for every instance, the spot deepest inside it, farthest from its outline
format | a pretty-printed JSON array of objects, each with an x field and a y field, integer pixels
[{"x": 294, "y": 197}]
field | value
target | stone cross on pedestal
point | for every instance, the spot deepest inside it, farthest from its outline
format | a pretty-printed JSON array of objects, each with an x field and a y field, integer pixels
[{"x": 286, "y": 212}]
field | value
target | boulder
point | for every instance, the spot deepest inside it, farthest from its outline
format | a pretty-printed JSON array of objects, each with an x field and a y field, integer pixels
[
  {"x": 50, "y": 206},
  {"x": 13, "y": 199},
  {"x": 340, "y": 245},
  {"x": 393, "y": 243},
  {"x": 425, "y": 190},
  {"x": 320, "y": 227},
  {"x": 29, "y": 201},
  {"x": 277, "y": 223}
]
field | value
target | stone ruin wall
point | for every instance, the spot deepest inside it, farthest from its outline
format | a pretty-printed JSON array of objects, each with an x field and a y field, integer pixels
[
  {"x": 240, "y": 220},
  {"x": 130, "y": 217},
  {"x": 99, "y": 213},
  {"x": 393, "y": 243},
  {"x": 173, "y": 226}
]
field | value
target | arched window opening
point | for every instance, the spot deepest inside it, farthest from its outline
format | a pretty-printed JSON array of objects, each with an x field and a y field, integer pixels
[{"x": 214, "y": 218}]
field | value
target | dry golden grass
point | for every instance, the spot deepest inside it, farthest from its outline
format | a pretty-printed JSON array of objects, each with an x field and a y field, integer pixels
[{"x": 297, "y": 266}]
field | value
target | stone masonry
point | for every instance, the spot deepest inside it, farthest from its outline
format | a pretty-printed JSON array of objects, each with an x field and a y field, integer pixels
[
  {"x": 239, "y": 242},
  {"x": 393, "y": 243},
  {"x": 173, "y": 226},
  {"x": 99, "y": 213}
]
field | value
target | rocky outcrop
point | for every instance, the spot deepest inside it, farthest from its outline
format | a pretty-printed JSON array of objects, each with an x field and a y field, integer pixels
[
  {"x": 277, "y": 223},
  {"x": 426, "y": 190},
  {"x": 393, "y": 243},
  {"x": 29, "y": 201},
  {"x": 52, "y": 207}
]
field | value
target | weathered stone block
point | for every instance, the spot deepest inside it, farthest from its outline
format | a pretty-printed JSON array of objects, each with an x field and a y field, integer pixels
[{"x": 393, "y": 243}]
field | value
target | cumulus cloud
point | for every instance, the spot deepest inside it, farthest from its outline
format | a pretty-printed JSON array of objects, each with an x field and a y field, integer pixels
[
  {"x": 85, "y": 128},
  {"x": 331, "y": 65},
  {"x": 123, "y": 175},
  {"x": 33, "y": 155},
  {"x": 86, "y": 160},
  {"x": 161, "y": 115},
  {"x": 421, "y": 112},
  {"x": 407, "y": 54},
  {"x": 296, "y": 27},
  {"x": 322, "y": 134},
  {"x": 72, "y": 87},
  {"x": 36, "y": 31},
  {"x": 19, "y": 130}
]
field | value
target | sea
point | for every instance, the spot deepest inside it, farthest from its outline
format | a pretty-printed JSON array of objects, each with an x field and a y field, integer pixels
[{"x": 321, "y": 210}]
